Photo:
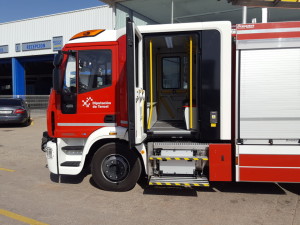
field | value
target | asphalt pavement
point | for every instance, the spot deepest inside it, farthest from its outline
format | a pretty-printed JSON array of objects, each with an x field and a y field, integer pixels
[{"x": 29, "y": 194}]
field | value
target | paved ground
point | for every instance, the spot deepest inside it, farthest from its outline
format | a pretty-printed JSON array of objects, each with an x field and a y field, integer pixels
[{"x": 30, "y": 195}]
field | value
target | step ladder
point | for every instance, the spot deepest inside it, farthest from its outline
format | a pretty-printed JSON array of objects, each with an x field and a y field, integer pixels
[
  {"x": 177, "y": 164},
  {"x": 179, "y": 181},
  {"x": 74, "y": 154}
]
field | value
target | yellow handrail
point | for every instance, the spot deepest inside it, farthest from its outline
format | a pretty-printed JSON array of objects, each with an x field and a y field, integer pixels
[
  {"x": 191, "y": 83},
  {"x": 151, "y": 87}
]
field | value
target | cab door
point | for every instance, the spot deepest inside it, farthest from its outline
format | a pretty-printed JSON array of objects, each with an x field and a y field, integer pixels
[
  {"x": 88, "y": 91},
  {"x": 135, "y": 90}
]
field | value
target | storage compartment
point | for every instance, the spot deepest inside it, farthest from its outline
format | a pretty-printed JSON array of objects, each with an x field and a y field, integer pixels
[
  {"x": 220, "y": 162},
  {"x": 269, "y": 94}
]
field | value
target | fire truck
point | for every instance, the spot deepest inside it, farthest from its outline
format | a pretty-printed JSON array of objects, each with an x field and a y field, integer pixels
[{"x": 183, "y": 104}]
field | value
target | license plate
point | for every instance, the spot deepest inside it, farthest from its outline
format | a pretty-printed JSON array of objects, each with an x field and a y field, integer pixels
[{"x": 5, "y": 112}]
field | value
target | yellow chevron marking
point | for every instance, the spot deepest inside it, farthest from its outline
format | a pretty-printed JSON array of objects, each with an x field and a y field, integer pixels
[
  {"x": 158, "y": 183},
  {"x": 168, "y": 158},
  {"x": 196, "y": 185},
  {"x": 186, "y": 158},
  {"x": 150, "y": 183},
  {"x": 206, "y": 185},
  {"x": 177, "y": 158},
  {"x": 151, "y": 158},
  {"x": 204, "y": 158},
  {"x": 186, "y": 184},
  {"x": 177, "y": 184},
  {"x": 195, "y": 158},
  {"x": 159, "y": 158},
  {"x": 168, "y": 184}
]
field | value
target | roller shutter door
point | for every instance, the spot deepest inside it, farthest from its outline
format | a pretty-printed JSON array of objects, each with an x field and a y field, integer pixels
[{"x": 269, "y": 104}]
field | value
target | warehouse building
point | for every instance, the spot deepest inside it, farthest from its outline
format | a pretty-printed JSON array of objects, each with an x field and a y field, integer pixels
[{"x": 27, "y": 47}]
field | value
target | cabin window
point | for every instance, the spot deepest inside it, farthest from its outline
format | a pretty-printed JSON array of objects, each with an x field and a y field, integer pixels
[{"x": 95, "y": 70}]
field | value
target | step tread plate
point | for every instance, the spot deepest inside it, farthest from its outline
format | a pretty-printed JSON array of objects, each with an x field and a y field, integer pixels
[
  {"x": 179, "y": 181},
  {"x": 72, "y": 148},
  {"x": 179, "y": 145},
  {"x": 166, "y": 158},
  {"x": 71, "y": 163}
]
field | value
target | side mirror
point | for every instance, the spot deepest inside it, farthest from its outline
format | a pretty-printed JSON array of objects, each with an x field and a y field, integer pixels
[
  {"x": 56, "y": 80},
  {"x": 58, "y": 59}
]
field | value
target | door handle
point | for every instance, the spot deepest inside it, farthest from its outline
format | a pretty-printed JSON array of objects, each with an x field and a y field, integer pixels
[{"x": 110, "y": 118}]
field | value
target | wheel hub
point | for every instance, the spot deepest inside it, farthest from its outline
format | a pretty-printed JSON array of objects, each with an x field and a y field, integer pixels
[{"x": 115, "y": 168}]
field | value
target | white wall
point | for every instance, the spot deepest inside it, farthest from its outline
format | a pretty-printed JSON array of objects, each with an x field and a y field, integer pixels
[{"x": 46, "y": 27}]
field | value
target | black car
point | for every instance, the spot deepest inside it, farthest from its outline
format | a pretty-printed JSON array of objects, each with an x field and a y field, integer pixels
[{"x": 14, "y": 111}]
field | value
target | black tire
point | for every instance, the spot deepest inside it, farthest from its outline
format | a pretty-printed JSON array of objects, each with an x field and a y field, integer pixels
[
  {"x": 115, "y": 167},
  {"x": 27, "y": 122}
]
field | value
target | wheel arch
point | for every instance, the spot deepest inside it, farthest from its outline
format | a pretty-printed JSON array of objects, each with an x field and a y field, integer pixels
[
  {"x": 102, "y": 137},
  {"x": 99, "y": 143}
]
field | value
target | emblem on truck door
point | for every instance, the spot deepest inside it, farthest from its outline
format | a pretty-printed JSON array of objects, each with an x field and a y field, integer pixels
[{"x": 87, "y": 102}]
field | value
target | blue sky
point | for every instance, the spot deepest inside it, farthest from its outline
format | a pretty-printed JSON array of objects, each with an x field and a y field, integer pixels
[{"x": 12, "y": 10}]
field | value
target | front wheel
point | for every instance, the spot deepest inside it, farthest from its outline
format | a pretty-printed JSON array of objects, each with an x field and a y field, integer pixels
[{"x": 115, "y": 167}]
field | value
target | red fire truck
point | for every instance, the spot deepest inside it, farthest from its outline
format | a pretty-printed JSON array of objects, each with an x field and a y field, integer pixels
[{"x": 184, "y": 104}]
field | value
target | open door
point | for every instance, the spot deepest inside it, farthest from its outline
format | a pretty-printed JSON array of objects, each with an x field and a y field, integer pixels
[{"x": 135, "y": 91}]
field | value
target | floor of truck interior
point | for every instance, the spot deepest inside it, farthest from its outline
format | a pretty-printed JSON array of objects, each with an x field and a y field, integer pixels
[{"x": 170, "y": 127}]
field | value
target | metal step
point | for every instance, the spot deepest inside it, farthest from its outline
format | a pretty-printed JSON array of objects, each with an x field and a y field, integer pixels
[
  {"x": 179, "y": 145},
  {"x": 71, "y": 163},
  {"x": 179, "y": 181},
  {"x": 167, "y": 158},
  {"x": 72, "y": 148}
]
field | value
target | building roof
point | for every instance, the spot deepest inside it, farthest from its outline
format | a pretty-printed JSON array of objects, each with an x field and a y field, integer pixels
[{"x": 213, "y": 10}]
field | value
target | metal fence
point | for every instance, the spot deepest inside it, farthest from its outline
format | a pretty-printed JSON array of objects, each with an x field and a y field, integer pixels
[{"x": 37, "y": 103}]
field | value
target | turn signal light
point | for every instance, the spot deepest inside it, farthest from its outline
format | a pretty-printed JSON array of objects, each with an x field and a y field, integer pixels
[
  {"x": 20, "y": 111},
  {"x": 88, "y": 33}
]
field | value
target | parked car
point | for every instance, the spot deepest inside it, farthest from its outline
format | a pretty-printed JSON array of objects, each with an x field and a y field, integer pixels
[{"x": 14, "y": 111}]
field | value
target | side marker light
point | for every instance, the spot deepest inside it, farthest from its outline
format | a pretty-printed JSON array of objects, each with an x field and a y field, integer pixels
[{"x": 88, "y": 33}]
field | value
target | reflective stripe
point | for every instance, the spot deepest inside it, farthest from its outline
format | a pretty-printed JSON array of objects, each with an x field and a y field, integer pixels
[
  {"x": 86, "y": 124},
  {"x": 269, "y": 167},
  {"x": 260, "y": 31}
]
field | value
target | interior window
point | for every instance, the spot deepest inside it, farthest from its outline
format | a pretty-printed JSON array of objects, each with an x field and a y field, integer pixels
[
  {"x": 94, "y": 69},
  {"x": 171, "y": 73}
]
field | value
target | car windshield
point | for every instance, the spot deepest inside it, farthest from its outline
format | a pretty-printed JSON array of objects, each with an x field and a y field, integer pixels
[{"x": 10, "y": 102}]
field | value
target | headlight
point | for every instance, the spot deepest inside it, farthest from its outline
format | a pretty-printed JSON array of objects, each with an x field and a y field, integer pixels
[{"x": 49, "y": 152}]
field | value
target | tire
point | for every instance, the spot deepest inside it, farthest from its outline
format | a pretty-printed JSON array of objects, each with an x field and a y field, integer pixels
[
  {"x": 115, "y": 167},
  {"x": 27, "y": 122}
]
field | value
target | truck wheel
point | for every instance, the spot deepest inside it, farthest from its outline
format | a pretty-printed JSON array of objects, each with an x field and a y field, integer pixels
[{"x": 115, "y": 167}]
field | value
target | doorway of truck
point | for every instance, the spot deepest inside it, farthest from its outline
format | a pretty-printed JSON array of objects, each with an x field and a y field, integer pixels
[{"x": 171, "y": 67}]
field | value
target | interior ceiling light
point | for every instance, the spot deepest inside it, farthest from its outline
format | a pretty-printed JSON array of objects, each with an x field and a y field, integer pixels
[
  {"x": 169, "y": 42},
  {"x": 267, "y": 3}
]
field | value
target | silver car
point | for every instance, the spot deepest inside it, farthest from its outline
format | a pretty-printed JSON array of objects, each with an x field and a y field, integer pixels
[{"x": 14, "y": 111}]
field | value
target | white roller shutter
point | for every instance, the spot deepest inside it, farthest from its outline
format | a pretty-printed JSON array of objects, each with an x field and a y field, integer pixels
[{"x": 270, "y": 94}]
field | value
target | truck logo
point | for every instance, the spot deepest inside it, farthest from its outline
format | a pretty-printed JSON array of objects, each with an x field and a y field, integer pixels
[{"x": 87, "y": 102}]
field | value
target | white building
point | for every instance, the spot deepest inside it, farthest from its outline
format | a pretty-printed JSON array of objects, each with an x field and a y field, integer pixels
[{"x": 27, "y": 46}]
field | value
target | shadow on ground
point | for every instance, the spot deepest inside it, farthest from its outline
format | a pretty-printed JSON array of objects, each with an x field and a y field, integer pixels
[
  {"x": 69, "y": 179},
  {"x": 225, "y": 187}
]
